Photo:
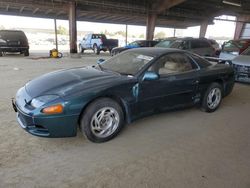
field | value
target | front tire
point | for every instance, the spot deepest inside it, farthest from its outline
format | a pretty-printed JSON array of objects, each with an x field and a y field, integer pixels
[
  {"x": 212, "y": 98},
  {"x": 102, "y": 120}
]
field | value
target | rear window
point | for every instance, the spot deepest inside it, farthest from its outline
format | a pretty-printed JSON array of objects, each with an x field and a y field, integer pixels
[
  {"x": 164, "y": 44},
  {"x": 199, "y": 44},
  {"x": 153, "y": 43},
  {"x": 176, "y": 44},
  {"x": 201, "y": 61},
  {"x": 98, "y": 36},
  {"x": 12, "y": 35}
]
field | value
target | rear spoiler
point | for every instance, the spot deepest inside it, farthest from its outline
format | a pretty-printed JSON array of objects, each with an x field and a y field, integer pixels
[{"x": 218, "y": 60}]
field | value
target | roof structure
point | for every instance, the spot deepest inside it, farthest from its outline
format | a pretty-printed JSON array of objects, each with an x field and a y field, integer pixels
[{"x": 171, "y": 13}]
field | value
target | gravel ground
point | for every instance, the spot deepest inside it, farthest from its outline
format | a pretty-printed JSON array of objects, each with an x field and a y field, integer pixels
[{"x": 185, "y": 148}]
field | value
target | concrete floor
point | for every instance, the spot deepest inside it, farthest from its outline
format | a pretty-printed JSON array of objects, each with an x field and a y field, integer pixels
[{"x": 187, "y": 148}]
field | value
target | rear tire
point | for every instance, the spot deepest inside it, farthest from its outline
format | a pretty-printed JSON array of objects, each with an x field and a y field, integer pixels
[
  {"x": 102, "y": 120},
  {"x": 26, "y": 53},
  {"x": 81, "y": 49},
  {"x": 1, "y": 53},
  {"x": 212, "y": 98},
  {"x": 96, "y": 49}
]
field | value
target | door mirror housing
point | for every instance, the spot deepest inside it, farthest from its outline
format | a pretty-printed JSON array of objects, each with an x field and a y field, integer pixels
[
  {"x": 100, "y": 61},
  {"x": 150, "y": 75}
]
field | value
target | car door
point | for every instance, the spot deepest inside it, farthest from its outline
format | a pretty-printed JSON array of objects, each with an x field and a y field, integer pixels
[
  {"x": 176, "y": 86},
  {"x": 85, "y": 42}
]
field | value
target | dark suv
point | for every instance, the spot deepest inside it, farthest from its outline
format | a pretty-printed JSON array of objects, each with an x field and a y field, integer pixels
[
  {"x": 195, "y": 45},
  {"x": 13, "y": 41}
]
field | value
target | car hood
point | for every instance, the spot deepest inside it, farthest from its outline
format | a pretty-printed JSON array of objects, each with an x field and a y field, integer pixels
[
  {"x": 242, "y": 60},
  {"x": 70, "y": 81},
  {"x": 228, "y": 55}
]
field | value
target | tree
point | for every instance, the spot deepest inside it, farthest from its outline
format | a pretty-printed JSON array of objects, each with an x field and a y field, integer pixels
[
  {"x": 142, "y": 36},
  {"x": 61, "y": 30},
  {"x": 160, "y": 35}
]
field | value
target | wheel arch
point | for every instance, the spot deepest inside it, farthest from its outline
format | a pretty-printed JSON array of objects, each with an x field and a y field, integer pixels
[
  {"x": 222, "y": 83},
  {"x": 94, "y": 44},
  {"x": 122, "y": 103}
]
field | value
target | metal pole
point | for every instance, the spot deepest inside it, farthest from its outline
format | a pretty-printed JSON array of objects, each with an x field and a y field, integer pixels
[
  {"x": 56, "y": 34},
  {"x": 126, "y": 36},
  {"x": 174, "y": 32},
  {"x": 72, "y": 26}
]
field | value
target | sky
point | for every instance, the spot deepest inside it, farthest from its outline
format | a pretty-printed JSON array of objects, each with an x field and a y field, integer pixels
[{"x": 219, "y": 29}]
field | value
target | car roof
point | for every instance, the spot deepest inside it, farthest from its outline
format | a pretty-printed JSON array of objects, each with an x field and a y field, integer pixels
[
  {"x": 155, "y": 51},
  {"x": 5, "y": 30},
  {"x": 238, "y": 40}
]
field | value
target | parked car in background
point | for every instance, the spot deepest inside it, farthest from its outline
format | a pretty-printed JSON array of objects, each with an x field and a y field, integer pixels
[
  {"x": 241, "y": 65},
  {"x": 135, "y": 44},
  {"x": 97, "y": 42},
  {"x": 13, "y": 41},
  {"x": 216, "y": 46},
  {"x": 102, "y": 98},
  {"x": 196, "y": 45},
  {"x": 233, "y": 48},
  {"x": 165, "y": 43}
]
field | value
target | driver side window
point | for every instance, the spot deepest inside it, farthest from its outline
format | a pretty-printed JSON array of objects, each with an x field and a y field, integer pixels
[{"x": 173, "y": 63}]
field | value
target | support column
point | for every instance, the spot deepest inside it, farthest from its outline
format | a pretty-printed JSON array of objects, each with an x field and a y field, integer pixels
[
  {"x": 203, "y": 29},
  {"x": 126, "y": 35},
  {"x": 239, "y": 26},
  {"x": 72, "y": 27},
  {"x": 151, "y": 21}
]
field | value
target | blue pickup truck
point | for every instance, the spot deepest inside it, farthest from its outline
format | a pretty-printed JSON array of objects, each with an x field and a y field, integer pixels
[{"x": 97, "y": 42}]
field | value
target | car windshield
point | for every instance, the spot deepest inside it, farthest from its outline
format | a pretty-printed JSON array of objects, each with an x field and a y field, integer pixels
[
  {"x": 136, "y": 43},
  {"x": 231, "y": 46},
  {"x": 12, "y": 35},
  {"x": 128, "y": 63},
  {"x": 164, "y": 44},
  {"x": 246, "y": 52}
]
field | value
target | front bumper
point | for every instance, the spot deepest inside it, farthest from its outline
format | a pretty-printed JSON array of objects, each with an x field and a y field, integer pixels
[
  {"x": 47, "y": 126},
  {"x": 13, "y": 48},
  {"x": 242, "y": 73}
]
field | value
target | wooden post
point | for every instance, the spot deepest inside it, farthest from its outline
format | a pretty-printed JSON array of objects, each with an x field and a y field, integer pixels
[{"x": 72, "y": 27}]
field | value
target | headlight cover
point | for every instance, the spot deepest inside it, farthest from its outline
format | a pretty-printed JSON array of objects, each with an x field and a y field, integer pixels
[{"x": 39, "y": 101}]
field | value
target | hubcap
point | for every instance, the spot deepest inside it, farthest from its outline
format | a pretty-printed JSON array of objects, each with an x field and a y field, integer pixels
[
  {"x": 105, "y": 122},
  {"x": 214, "y": 97}
]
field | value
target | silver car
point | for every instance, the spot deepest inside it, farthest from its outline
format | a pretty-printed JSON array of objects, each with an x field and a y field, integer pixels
[{"x": 241, "y": 65}]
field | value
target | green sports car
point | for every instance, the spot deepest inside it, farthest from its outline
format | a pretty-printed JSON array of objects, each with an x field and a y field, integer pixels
[{"x": 103, "y": 98}]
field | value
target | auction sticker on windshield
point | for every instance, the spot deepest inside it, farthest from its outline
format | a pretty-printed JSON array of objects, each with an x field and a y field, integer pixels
[{"x": 145, "y": 57}]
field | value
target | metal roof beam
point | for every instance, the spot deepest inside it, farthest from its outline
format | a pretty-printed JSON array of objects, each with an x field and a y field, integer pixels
[
  {"x": 35, "y": 10},
  {"x": 162, "y": 5},
  {"x": 21, "y": 9}
]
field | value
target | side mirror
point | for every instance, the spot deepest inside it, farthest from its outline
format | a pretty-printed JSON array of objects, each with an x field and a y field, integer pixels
[
  {"x": 150, "y": 75},
  {"x": 100, "y": 61}
]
